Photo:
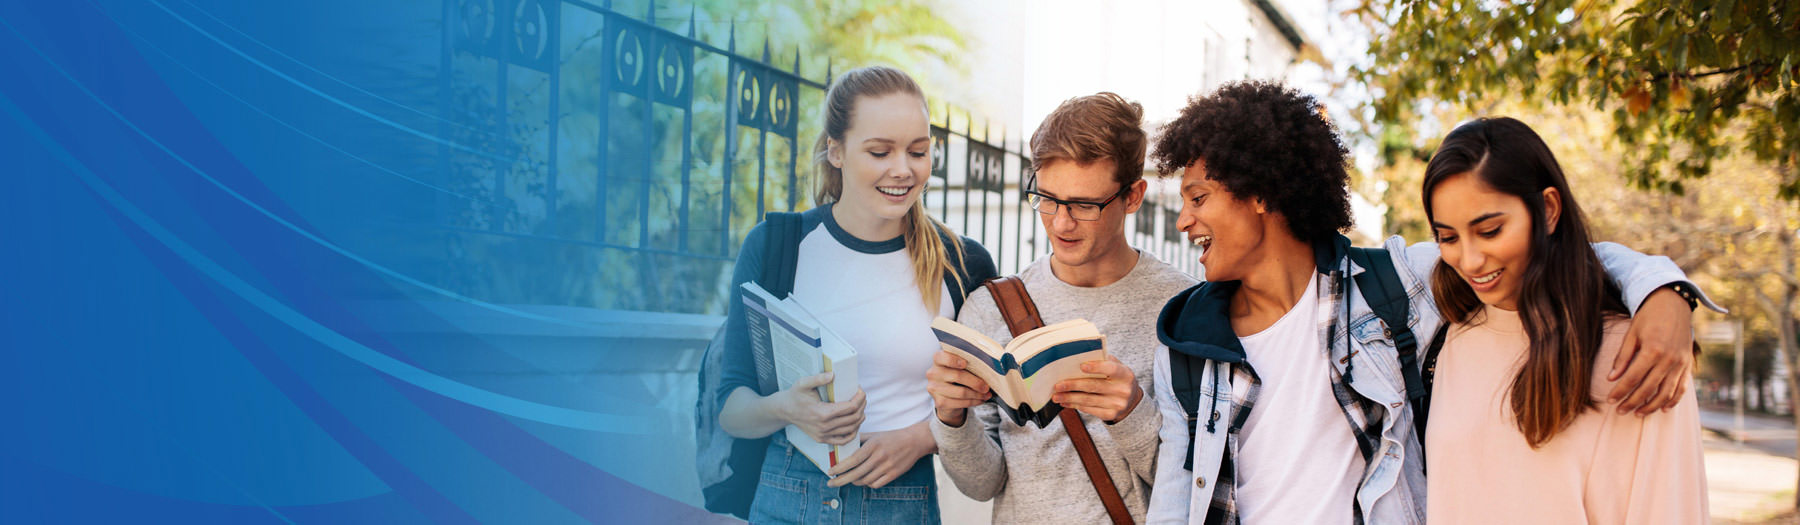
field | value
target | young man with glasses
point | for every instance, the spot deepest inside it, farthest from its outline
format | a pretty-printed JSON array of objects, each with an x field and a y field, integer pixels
[{"x": 1089, "y": 159}]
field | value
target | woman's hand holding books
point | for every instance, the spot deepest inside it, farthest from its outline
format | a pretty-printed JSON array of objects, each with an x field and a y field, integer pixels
[
  {"x": 884, "y": 456},
  {"x": 829, "y": 423}
]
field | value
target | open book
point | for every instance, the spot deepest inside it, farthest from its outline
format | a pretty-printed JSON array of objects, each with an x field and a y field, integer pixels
[
  {"x": 802, "y": 347},
  {"x": 1023, "y": 373}
]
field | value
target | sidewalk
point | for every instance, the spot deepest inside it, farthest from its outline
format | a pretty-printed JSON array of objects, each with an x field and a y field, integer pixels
[
  {"x": 1746, "y": 485},
  {"x": 1750, "y": 482}
]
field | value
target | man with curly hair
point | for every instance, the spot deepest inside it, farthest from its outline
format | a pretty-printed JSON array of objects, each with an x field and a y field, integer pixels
[{"x": 1293, "y": 390}]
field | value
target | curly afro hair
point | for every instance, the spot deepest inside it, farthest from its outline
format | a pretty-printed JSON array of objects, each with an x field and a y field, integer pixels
[{"x": 1263, "y": 139}]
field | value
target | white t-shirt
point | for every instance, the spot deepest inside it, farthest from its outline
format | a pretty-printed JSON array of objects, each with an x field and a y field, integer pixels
[
  {"x": 1297, "y": 459},
  {"x": 864, "y": 291}
]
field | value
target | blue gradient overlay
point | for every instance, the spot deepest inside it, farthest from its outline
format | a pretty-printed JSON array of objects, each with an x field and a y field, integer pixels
[{"x": 224, "y": 300}]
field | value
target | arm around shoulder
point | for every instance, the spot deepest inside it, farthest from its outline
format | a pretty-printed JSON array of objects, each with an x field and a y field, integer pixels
[
  {"x": 1418, "y": 259},
  {"x": 1640, "y": 275}
]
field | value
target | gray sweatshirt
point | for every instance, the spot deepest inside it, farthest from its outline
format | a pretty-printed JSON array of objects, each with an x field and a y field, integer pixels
[{"x": 1034, "y": 475}]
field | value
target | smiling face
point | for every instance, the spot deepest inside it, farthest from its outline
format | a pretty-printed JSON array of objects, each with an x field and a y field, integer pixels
[
  {"x": 1073, "y": 242},
  {"x": 885, "y": 157},
  {"x": 1229, "y": 231},
  {"x": 1485, "y": 235}
]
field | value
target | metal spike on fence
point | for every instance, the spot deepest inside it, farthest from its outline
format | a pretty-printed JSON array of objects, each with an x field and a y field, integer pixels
[
  {"x": 731, "y": 44},
  {"x": 693, "y": 12},
  {"x": 650, "y": 12}
]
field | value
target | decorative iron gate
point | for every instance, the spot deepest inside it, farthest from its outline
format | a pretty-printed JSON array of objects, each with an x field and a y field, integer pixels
[{"x": 608, "y": 140}]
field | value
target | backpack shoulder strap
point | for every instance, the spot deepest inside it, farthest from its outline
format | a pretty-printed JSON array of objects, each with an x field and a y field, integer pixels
[
  {"x": 1381, "y": 287},
  {"x": 1186, "y": 375},
  {"x": 1422, "y": 410},
  {"x": 782, "y": 252},
  {"x": 969, "y": 267}
]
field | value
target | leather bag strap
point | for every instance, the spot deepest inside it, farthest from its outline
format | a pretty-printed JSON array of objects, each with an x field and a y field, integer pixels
[{"x": 1021, "y": 316}]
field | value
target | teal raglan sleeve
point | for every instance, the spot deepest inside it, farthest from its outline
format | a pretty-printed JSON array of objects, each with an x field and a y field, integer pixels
[{"x": 739, "y": 365}]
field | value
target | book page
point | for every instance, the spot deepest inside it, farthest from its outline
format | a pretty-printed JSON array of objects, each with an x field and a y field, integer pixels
[
  {"x": 795, "y": 359},
  {"x": 1027, "y": 373},
  {"x": 1001, "y": 385},
  {"x": 1030, "y": 343},
  {"x": 1038, "y": 388},
  {"x": 983, "y": 355}
]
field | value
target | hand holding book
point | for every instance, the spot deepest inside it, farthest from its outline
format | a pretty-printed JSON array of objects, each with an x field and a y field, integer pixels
[
  {"x": 828, "y": 423},
  {"x": 816, "y": 371},
  {"x": 1025, "y": 373},
  {"x": 1109, "y": 398},
  {"x": 884, "y": 457},
  {"x": 953, "y": 389}
]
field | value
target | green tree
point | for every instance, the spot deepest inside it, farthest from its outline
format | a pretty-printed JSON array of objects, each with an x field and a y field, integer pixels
[{"x": 1676, "y": 75}]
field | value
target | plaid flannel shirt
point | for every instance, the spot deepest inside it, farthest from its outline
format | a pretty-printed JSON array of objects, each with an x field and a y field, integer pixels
[
  {"x": 1366, "y": 381},
  {"x": 1363, "y": 415}
]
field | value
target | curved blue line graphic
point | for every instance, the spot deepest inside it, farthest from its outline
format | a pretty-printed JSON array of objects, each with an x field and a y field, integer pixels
[
  {"x": 349, "y": 347},
  {"x": 309, "y": 67},
  {"x": 271, "y": 215},
  {"x": 539, "y": 412},
  {"x": 277, "y": 120},
  {"x": 327, "y": 96}
]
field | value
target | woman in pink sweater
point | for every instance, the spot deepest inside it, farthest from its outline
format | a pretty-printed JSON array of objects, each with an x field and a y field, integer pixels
[{"x": 1519, "y": 431}]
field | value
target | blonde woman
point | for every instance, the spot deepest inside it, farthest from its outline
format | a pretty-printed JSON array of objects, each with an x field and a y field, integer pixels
[{"x": 876, "y": 269}]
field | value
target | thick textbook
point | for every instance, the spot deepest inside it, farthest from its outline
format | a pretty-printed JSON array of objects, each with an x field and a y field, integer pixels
[
  {"x": 802, "y": 347},
  {"x": 1023, "y": 373}
]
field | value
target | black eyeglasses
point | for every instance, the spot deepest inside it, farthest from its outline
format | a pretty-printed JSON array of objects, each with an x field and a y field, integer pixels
[{"x": 1078, "y": 210}]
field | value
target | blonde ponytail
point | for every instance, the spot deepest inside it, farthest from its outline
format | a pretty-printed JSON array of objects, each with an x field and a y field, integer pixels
[{"x": 930, "y": 258}]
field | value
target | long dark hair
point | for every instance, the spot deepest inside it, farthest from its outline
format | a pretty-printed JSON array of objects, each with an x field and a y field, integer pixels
[{"x": 1565, "y": 296}]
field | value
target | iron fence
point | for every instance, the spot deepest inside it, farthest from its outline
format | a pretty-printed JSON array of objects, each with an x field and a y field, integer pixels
[{"x": 611, "y": 140}]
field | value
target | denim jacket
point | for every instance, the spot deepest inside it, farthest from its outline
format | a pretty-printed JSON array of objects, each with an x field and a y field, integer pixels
[{"x": 1367, "y": 382}]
